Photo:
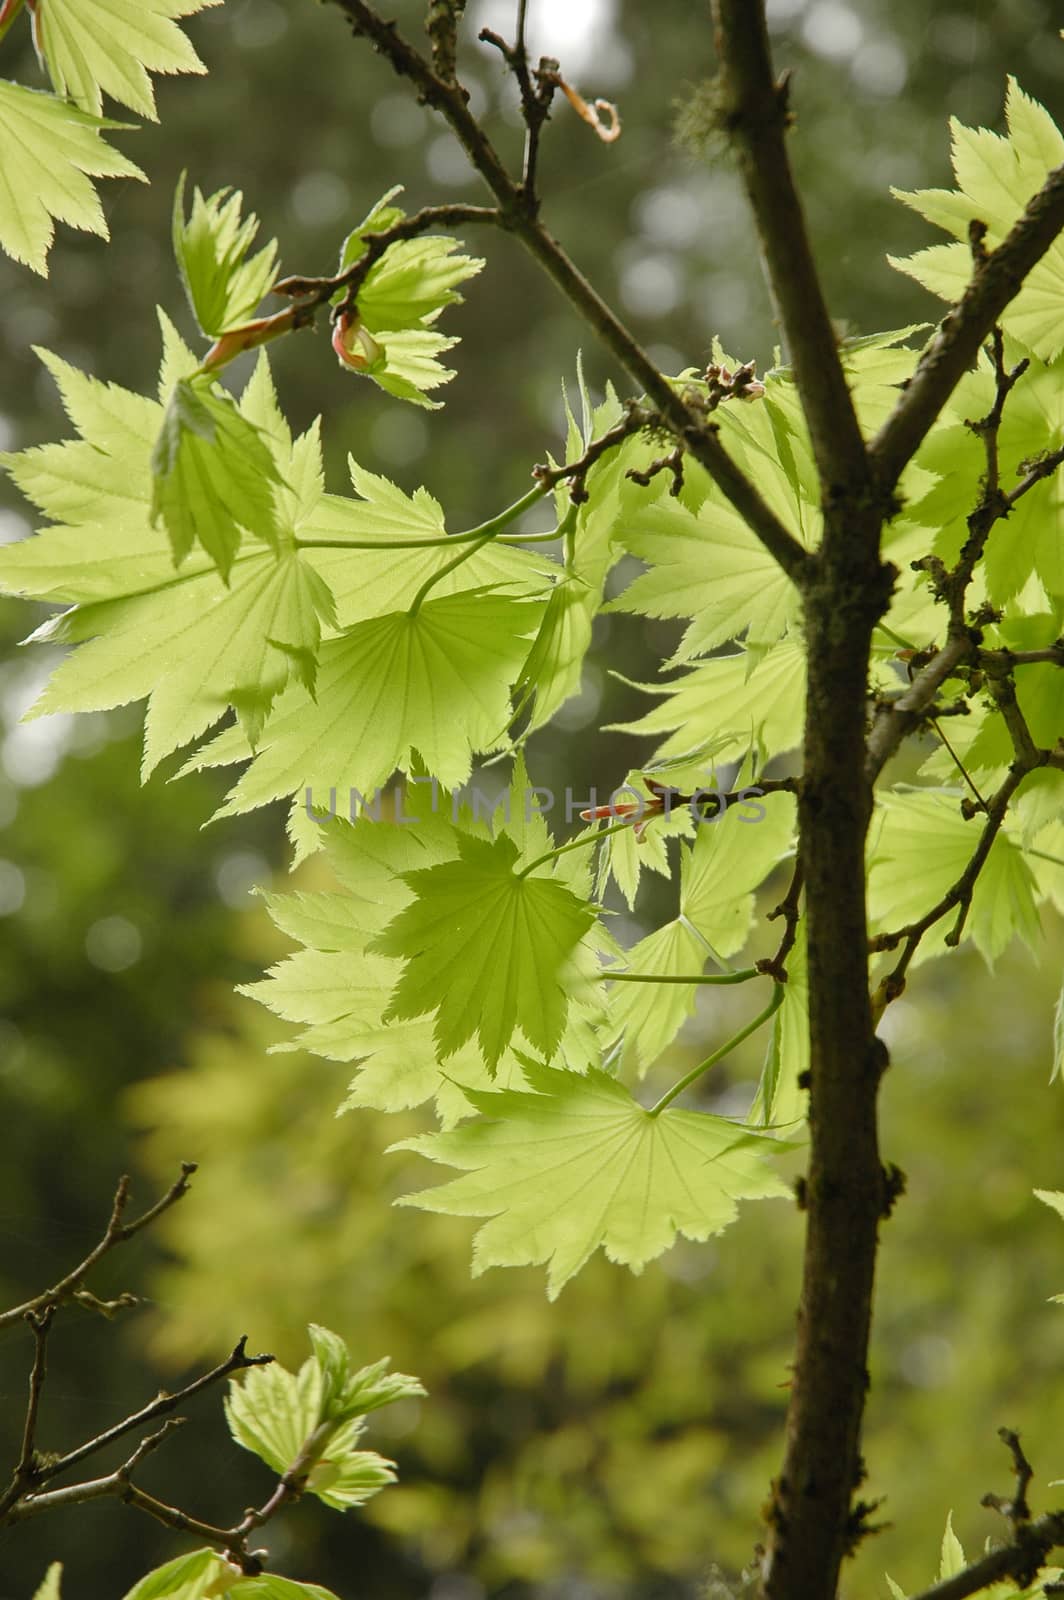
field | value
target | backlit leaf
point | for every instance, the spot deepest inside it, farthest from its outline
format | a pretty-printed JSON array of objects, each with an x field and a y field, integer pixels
[{"x": 616, "y": 1176}]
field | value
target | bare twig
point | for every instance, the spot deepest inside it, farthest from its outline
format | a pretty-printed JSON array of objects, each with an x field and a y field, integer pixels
[
  {"x": 1003, "y": 693},
  {"x": 993, "y": 503},
  {"x": 1021, "y": 1560},
  {"x": 904, "y": 715},
  {"x": 290, "y": 1486},
  {"x": 537, "y": 94},
  {"x": 756, "y": 115},
  {"x": 76, "y": 1494},
  {"x": 116, "y": 1232},
  {"x": 441, "y": 25},
  {"x": 25, "y": 1472},
  {"x": 25, "y": 1495},
  {"x": 1037, "y": 470},
  {"x": 788, "y": 909},
  {"x": 635, "y": 419},
  {"x": 1015, "y": 1508},
  {"x": 237, "y": 1361},
  {"x": 671, "y": 462},
  {"x": 990, "y": 659}
]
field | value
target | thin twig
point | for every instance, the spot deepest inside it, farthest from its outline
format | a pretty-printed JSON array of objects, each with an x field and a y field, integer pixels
[
  {"x": 990, "y": 659},
  {"x": 1037, "y": 471},
  {"x": 671, "y": 462},
  {"x": 1015, "y": 1508},
  {"x": 26, "y": 1468},
  {"x": 788, "y": 909},
  {"x": 116, "y": 1232},
  {"x": 537, "y": 95},
  {"x": 993, "y": 502},
  {"x": 441, "y": 25},
  {"x": 236, "y": 1361},
  {"x": 907, "y": 712},
  {"x": 635, "y": 419},
  {"x": 756, "y": 114},
  {"x": 76, "y": 1494}
]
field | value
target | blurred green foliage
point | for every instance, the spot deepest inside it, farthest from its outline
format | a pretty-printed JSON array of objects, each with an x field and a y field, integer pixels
[{"x": 623, "y": 1439}]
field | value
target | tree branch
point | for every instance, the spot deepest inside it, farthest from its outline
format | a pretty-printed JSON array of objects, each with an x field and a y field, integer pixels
[
  {"x": 996, "y": 280},
  {"x": 698, "y": 436},
  {"x": 237, "y": 1361},
  {"x": 116, "y": 1232},
  {"x": 1024, "y": 1558},
  {"x": 756, "y": 116},
  {"x": 959, "y": 894},
  {"x": 76, "y": 1494},
  {"x": 789, "y": 909},
  {"x": 892, "y": 723},
  {"x": 1020, "y": 1562}
]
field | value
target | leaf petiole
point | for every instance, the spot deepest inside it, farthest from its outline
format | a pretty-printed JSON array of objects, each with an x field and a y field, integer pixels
[
  {"x": 492, "y": 529},
  {"x": 574, "y": 844},
  {"x": 703, "y": 1066},
  {"x": 660, "y": 977}
]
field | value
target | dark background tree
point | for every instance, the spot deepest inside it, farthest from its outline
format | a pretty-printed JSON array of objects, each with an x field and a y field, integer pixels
[{"x": 125, "y": 927}]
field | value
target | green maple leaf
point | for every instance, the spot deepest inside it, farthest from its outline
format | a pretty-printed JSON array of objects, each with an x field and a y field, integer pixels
[
  {"x": 436, "y": 683},
  {"x": 996, "y": 177},
  {"x": 223, "y": 287},
  {"x": 404, "y": 293},
  {"x": 186, "y": 640},
  {"x": 578, "y": 1164},
  {"x": 648, "y": 1016},
  {"x": 274, "y": 1413},
  {"x": 729, "y": 703},
  {"x": 731, "y": 856},
  {"x": 339, "y": 989},
  {"x": 340, "y": 992},
  {"x": 552, "y": 672},
  {"x": 486, "y": 949},
  {"x": 48, "y": 152},
  {"x": 370, "y": 583},
  {"x": 706, "y": 564},
  {"x": 919, "y": 846},
  {"x": 213, "y": 474},
  {"x": 97, "y": 47}
]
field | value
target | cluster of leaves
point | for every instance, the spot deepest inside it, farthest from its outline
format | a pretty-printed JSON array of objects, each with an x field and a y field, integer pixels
[
  {"x": 353, "y": 637},
  {"x": 306, "y": 1427},
  {"x": 52, "y": 145}
]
